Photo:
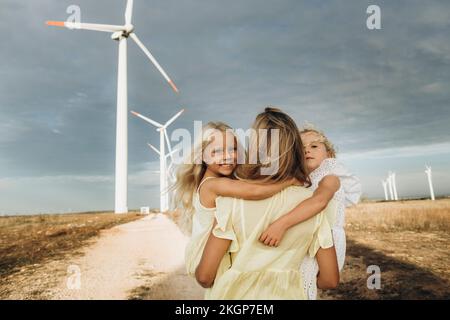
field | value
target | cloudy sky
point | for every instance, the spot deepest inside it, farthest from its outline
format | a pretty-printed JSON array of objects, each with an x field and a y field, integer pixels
[{"x": 382, "y": 96}]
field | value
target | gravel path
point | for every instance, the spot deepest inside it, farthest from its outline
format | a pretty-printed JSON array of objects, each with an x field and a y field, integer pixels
[{"x": 143, "y": 259}]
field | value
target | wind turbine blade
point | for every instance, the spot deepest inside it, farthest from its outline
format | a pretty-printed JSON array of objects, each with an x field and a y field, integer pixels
[
  {"x": 153, "y": 60},
  {"x": 172, "y": 162},
  {"x": 86, "y": 26},
  {"x": 173, "y": 152},
  {"x": 171, "y": 173},
  {"x": 129, "y": 12},
  {"x": 157, "y": 124},
  {"x": 168, "y": 141},
  {"x": 168, "y": 123},
  {"x": 154, "y": 149}
]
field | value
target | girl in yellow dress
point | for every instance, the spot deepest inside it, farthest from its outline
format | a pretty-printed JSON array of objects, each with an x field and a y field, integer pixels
[
  {"x": 256, "y": 271},
  {"x": 206, "y": 175}
]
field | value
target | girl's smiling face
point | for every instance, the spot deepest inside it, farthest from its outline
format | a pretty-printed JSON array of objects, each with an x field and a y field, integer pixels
[
  {"x": 315, "y": 150},
  {"x": 221, "y": 154}
]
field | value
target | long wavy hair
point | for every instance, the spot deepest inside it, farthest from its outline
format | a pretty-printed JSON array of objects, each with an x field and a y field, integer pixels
[
  {"x": 290, "y": 158},
  {"x": 191, "y": 172}
]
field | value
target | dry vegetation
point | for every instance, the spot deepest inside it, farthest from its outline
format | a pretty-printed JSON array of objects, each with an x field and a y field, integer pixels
[
  {"x": 414, "y": 215},
  {"x": 408, "y": 240},
  {"x": 32, "y": 240}
]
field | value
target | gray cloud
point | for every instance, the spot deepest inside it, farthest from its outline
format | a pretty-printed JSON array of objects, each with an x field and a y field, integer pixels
[{"x": 369, "y": 90}]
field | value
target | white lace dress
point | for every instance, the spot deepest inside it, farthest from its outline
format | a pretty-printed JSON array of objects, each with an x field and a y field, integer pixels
[{"x": 347, "y": 195}]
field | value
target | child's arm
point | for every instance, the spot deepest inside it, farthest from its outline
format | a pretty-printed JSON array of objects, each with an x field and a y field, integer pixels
[
  {"x": 226, "y": 187},
  {"x": 304, "y": 211}
]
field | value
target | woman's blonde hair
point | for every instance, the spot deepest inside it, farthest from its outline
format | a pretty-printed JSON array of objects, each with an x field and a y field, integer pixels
[
  {"x": 290, "y": 157},
  {"x": 191, "y": 172},
  {"x": 309, "y": 128}
]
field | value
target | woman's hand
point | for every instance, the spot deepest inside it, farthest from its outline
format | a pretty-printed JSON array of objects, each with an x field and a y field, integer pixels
[{"x": 273, "y": 234}]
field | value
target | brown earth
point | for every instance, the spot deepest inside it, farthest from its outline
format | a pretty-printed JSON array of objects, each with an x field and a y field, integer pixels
[
  {"x": 408, "y": 240},
  {"x": 143, "y": 259}
]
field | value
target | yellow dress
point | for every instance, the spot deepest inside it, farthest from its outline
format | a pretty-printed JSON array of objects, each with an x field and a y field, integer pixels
[{"x": 256, "y": 271}]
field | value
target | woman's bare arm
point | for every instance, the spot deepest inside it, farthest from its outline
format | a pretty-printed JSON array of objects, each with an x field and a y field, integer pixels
[
  {"x": 328, "y": 277},
  {"x": 214, "y": 251}
]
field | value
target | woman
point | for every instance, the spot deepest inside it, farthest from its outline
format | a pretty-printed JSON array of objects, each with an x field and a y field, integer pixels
[{"x": 252, "y": 270}]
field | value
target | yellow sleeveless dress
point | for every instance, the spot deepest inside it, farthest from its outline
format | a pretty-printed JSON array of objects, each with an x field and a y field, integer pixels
[{"x": 256, "y": 271}]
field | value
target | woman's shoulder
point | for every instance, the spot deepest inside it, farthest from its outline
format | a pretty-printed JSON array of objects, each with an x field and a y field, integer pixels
[{"x": 295, "y": 192}]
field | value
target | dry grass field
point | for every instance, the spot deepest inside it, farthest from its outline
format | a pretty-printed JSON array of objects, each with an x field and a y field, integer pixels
[{"x": 408, "y": 240}]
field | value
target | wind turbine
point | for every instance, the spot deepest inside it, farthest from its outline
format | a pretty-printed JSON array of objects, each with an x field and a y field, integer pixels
[
  {"x": 384, "y": 182},
  {"x": 430, "y": 182},
  {"x": 394, "y": 185},
  {"x": 162, "y": 128},
  {"x": 121, "y": 34},
  {"x": 391, "y": 189},
  {"x": 170, "y": 177}
]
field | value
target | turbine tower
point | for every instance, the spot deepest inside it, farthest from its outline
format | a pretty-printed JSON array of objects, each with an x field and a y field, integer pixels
[
  {"x": 430, "y": 182},
  {"x": 394, "y": 186},
  {"x": 384, "y": 182},
  {"x": 121, "y": 34},
  {"x": 391, "y": 189},
  {"x": 170, "y": 177},
  {"x": 163, "y": 182}
]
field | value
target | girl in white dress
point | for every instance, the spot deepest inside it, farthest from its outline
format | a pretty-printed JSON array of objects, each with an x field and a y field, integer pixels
[{"x": 330, "y": 180}]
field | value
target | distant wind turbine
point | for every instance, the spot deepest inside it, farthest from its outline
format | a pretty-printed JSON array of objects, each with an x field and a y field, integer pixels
[
  {"x": 163, "y": 176},
  {"x": 121, "y": 34},
  {"x": 384, "y": 182},
  {"x": 391, "y": 188},
  {"x": 394, "y": 186},
  {"x": 170, "y": 176},
  {"x": 430, "y": 182}
]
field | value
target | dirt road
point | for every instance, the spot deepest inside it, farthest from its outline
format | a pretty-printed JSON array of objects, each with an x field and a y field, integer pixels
[{"x": 143, "y": 259}]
